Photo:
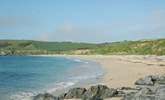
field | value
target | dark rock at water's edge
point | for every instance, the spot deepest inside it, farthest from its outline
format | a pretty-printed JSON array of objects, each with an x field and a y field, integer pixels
[
  {"x": 73, "y": 93},
  {"x": 45, "y": 96},
  {"x": 93, "y": 93},
  {"x": 147, "y": 88},
  {"x": 99, "y": 91}
]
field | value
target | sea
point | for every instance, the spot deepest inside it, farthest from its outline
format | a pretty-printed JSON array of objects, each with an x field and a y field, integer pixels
[{"x": 23, "y": 77}]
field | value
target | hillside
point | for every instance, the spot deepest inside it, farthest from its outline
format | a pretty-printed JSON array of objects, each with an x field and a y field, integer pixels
[
  {"x": 141, "y": 47},
  {"x": 22, "y": 47},
  {"x": 26, "y": 47}
]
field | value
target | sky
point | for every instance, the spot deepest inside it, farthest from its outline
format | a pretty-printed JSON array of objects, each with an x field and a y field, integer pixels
[{"x": 92, "y": 21}]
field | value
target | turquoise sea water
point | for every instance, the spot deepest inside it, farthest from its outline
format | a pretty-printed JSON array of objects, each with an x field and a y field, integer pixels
[{"x": 24, "y": 76}]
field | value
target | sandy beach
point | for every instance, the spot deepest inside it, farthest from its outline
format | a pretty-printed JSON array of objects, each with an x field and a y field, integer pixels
[{"x": 123, "y": 71}]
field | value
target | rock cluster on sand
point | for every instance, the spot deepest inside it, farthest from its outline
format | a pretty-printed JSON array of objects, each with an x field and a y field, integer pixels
[
  {"x": 147, "y": 88},
  {"x": 93, "y": 93},
  {"x": 151, "y": 88}
]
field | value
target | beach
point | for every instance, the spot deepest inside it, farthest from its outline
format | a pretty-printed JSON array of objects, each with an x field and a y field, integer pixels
[
  {"x": 123, "y": 71},
  {"x": 117, "y": 71}
]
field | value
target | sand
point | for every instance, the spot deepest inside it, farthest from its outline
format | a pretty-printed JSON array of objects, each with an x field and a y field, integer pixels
[{"x": 123, "y": 71}]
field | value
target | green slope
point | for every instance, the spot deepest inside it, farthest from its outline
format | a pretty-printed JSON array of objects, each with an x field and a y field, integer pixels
[{"x": 141, "y": 47}]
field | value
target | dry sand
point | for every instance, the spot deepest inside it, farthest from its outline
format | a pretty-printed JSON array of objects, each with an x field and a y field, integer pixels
[{"x": 123, "y": 71}]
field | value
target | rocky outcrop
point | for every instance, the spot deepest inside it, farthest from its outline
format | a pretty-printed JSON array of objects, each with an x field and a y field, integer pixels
[
  {"x": 73, "y": 93},
  {"x": 148, "y": 80},
  {"x": 147, "y": 88},
  {"x": 151, "y": 88},
  {"x": 99, "y": 91},
  {"x": 93, "y": 93}
]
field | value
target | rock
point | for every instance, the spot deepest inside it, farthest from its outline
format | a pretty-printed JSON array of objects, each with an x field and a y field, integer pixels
[
  {"x": 148, "y": 80},
  {"x": 74, "y": 93},
  {"x": 45, "y": 96},
  {"x": 127, "y": 88},
  {"x": 144, "y": 94},
  {"x": 99, "y": 91},
  {"x": 93, "y": 98},
  {"x": 120, "y": 93},
  {"x": 160, "y": 93},
  {"x": 152, "y": 88},
  {"x": 62, "y": 96},
  {"x": 160, "y": 80},
  {"x": 129, "y": 96}
]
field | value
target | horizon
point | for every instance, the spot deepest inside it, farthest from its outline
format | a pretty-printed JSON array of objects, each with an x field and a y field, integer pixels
[
  {"x": 84, "y": 21},
  {"x": 81, "y": 42}
]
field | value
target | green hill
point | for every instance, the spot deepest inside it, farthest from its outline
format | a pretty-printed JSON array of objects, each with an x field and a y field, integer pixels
[
  {"x": 141, "y": 47},
  {"x": 26, "y": 47},
  {"x": 22, "y": 47}
]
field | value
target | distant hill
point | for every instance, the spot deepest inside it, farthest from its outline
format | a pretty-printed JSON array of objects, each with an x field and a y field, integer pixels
[
  {"x": 22, "y": 47},
  {"x": 141, "y": 47},
  {"x": 26, "y": 47}
]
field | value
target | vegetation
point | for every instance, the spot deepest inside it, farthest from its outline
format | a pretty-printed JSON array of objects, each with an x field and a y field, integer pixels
[
  {"x": 26, "y": 47},
  {"x": 142, "y": 47}
]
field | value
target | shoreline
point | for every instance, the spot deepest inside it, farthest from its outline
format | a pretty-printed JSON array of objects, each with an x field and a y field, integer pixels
[
  {"x": 119, "y": 70},
  {"x": 123, "y": 71}
]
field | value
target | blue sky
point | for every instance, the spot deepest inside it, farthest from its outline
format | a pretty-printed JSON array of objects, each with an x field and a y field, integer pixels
[{"x": 82, "y": 20}]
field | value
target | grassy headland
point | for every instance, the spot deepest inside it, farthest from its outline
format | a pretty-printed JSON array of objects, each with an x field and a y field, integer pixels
[{"x": 28, "y": 47}]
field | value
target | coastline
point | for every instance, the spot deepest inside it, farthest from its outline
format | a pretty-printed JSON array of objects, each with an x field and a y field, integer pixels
[{"x": 123, "y": 71}]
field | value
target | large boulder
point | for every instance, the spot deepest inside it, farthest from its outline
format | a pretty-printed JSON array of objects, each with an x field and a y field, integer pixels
[
  {"x": 160, "y": 93},
  {"x": 74, "y": 93},
  {"x": 129, "y": 96},
  {"x": 143, "y": 94},
  {"x": 99, "y": 91},
  {"x": 152, "y": 88},
  {"x": 45, "y": 96},
  {"x": 148, "y": 80}
]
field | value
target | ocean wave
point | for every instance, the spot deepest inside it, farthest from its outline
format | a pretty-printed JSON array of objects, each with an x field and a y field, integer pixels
[
  {"x": 29, "y": 94},
  {"x": 60, "y": 86},
  {"x": 23, "y": 96},
  {"x": 79, "y": 78},
  {"x": 82, "y": 61}
]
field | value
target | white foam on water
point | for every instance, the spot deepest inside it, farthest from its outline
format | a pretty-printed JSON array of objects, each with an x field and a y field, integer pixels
[
  {"x": 61, "y": 85},
  {"x": 82, "y": 61},
  {"x": 23, "y": 96},
  {"x": 86, "y": 77},
  {"x": 57, "y": 86},
  {"x": 29, "y": 95}
]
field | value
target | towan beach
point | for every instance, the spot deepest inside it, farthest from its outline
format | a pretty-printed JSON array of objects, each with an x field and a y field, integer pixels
[
  {"x": 119, "y": 72},
  {"x": 82, "y": 49},
  {"x": 123, "y": 71}
]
